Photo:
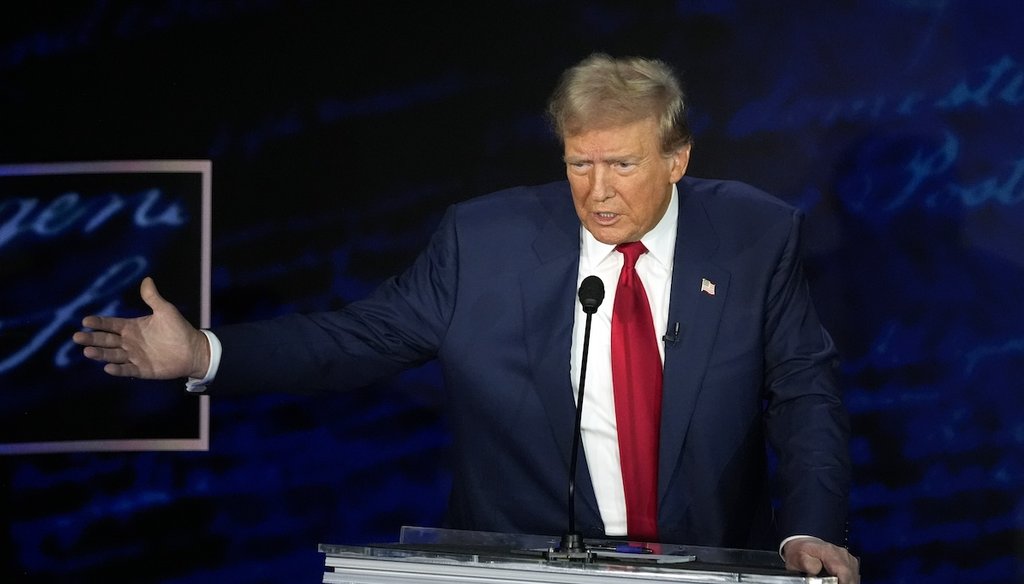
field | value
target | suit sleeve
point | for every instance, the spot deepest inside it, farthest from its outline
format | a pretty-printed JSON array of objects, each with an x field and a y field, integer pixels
[
  {"x": 399, "y": 326},
  {"x": 806, "y": 422}
]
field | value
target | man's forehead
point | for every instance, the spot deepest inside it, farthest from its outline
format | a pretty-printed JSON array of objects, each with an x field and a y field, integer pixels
[
  {"x": 611, "y": 143},
  {"x": 642, "y": 127}
]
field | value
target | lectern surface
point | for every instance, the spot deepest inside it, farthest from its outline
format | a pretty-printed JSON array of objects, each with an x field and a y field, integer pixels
[{"x": 439, "y": 555}]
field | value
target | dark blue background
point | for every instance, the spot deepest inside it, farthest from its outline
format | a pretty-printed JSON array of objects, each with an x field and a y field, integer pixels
[{"x": 340, "y": 131}]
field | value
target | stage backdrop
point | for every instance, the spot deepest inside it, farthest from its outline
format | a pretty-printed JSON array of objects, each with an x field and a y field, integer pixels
[{"x": 339, "y": 132}]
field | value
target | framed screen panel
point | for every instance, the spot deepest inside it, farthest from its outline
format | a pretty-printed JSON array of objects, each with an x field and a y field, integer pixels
[{"x": 77, "y": 239}]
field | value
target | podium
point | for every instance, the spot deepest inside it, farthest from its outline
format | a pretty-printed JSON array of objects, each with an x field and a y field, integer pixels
[{"x": 472, "y": 557}]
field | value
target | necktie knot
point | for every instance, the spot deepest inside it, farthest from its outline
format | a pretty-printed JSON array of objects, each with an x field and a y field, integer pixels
[{"x": 631, "y": 252}]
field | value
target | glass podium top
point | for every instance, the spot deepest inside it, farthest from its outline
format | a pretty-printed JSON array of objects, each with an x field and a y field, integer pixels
[{"x": 445, "y": 555}]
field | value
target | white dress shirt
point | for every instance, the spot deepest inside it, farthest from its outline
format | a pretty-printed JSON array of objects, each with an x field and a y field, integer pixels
[{"x": 600, "y": 438}]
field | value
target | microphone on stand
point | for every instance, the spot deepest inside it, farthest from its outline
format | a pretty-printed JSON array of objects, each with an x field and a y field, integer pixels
[{"x": 591, "y": 295}]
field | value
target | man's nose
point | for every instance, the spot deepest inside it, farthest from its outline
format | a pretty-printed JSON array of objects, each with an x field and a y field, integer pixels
[{"x": 600, "y": 190}]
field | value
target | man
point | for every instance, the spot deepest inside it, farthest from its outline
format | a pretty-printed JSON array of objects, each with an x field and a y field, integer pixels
[{"x": 707, "y": 345}]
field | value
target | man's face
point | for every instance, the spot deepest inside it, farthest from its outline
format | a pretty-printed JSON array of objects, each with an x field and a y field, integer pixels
[{"x": 621, "y": 182}]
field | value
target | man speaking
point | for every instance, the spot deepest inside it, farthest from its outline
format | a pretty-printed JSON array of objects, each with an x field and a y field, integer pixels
[{"x": 706, "y": 346}]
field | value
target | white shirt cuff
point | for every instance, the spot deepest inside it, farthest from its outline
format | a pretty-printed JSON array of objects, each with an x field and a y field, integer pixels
[
  {"x": 792, "y": 537},
  {"x": 194, "y": 385}
]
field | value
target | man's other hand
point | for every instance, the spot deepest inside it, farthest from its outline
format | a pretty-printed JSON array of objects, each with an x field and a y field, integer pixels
[
  {"x": 162, "y": 345},
  {"x": 811, "y": 555}
]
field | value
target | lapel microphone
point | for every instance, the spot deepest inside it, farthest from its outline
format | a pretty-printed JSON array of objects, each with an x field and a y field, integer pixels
[
  {"x": 672, "y": 337},
  {"x": 591, "y": 294}
]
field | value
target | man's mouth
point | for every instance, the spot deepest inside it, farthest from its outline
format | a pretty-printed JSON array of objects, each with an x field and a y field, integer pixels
[{"x": 605, "y": 218}]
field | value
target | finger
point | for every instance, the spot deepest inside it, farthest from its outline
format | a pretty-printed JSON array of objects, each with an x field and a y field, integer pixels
[
  {"x": 97, "y": 339},
  {"x": 806, "y": 563},
  {"x": 82, "y": 338},
  {"x": 104, "y": 323},
  {"x": 121, "y": 369},
  {"x": 844, "y": 566},
  {"x": 115, "y": 356}
]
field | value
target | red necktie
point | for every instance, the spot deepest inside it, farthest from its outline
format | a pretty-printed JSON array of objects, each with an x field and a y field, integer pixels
[{"x": 636, "y": 381}]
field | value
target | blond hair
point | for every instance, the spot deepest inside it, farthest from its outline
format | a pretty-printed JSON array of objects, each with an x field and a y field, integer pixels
[{"x": 601, "y": 92}]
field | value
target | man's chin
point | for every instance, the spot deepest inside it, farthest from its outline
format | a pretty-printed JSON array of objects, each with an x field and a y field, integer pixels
[{"x": 607, "y": 235}]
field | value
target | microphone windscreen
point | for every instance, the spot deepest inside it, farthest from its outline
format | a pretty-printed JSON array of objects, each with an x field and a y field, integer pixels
[{"x": 591, "y": 294}]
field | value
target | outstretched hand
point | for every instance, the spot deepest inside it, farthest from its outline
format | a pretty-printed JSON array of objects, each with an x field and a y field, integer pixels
[
  {"x": 162, "y": 345},
  {"x": 811, "y": 555}
]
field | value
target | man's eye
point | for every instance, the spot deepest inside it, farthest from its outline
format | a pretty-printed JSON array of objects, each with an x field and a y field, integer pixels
[{"x": 625, "y": 165}]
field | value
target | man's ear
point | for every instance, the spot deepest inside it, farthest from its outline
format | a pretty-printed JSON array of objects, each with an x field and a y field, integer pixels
[{"x": 679, "y": 160}]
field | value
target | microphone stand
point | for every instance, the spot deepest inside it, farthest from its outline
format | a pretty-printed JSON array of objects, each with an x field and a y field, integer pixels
[{"x": 572, "y": 546}]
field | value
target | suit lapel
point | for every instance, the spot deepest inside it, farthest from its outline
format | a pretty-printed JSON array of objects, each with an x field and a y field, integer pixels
[
  {"x": 549, "y": 298},
  {"x": 699, "y": 289}
]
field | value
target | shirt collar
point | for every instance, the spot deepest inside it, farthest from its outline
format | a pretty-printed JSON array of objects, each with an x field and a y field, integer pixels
[{"x": 660, "y": 241}]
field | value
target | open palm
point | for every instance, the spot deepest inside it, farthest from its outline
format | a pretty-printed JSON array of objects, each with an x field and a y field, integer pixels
[{"x": 162, "y": 345}]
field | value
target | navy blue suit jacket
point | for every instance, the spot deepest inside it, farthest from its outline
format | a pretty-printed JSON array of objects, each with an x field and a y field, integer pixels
[{"x": 493, "y": 298}]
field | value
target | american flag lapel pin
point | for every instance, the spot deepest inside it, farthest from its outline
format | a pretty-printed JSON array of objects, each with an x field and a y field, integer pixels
[{"x": 707, "y": 286}]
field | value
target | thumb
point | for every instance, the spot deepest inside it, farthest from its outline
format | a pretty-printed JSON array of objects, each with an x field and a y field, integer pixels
[{"x": 151, "y": 296}]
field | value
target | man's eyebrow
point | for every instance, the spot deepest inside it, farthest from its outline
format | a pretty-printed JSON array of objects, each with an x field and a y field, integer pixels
[{"x": 609, "y": 158}]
